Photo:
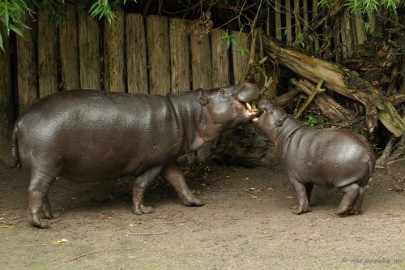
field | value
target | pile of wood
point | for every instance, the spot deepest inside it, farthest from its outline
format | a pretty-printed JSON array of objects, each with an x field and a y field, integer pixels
[{"x": 365, "y": 93}]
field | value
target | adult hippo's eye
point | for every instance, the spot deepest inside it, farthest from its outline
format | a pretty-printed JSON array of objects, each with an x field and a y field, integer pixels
[{"x": 222, "y": 92}]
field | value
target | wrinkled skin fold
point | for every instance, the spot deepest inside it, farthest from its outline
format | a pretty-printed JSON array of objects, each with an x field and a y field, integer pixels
[
  {"x": 91, "y": 135},
  {"x": 330, "y": 157}
]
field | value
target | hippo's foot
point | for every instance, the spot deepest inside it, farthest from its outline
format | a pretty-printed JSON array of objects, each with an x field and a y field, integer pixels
[
  {"x": 356, "y": 212},
  {"x": 300, "y": 210},
  {"x": 351, "y": 201},
  {"x": 49, "y": 215},
  {"x": 143, "y": 210},
  {"x": 193, "y": 202},
  {"x": 38, "y": 222}
]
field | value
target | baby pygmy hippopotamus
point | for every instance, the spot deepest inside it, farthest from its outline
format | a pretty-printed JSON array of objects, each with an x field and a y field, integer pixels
[{"x": 330, "y": 157}]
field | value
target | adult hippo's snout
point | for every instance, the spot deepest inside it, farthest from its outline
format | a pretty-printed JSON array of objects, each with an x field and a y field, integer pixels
[{"x": 91, "y": 135}]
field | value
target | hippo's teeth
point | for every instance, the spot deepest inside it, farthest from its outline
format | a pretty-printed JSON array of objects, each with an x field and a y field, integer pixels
[{"x": 251, "y": 108}]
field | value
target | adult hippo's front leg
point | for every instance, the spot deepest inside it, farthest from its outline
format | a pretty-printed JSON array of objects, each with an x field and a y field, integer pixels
[{"x": 174, "y": 176}]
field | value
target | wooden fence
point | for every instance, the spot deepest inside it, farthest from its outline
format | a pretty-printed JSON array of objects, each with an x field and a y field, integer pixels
[
  {"x": 155, "y": 55},
  {"x": 134, "y": 54}
]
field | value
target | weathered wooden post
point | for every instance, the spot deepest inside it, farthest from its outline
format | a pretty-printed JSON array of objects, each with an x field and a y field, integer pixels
[
  {"x": 137, "y": 72},
  {"x": 114, "y": 63},
  {"x": 6, "y": 105},
  {"x": 69, "y": 50}
]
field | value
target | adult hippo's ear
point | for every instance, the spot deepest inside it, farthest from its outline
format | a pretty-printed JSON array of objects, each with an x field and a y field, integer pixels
[{"x": 203, "y": 100}]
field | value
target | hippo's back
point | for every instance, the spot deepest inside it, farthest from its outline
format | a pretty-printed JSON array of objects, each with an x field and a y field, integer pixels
[
  {"x": 88, "y": 133},
  {"x": 332, "y": 154}
]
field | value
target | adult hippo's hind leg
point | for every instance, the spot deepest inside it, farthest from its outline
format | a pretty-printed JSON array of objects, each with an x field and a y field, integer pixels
[
  {"x": 172, "y": 174},
  {"x": 351, "y": 193},
  {"x": 141, "y": 183},
  {"x": 46, "y": 209},
  {"x": 38, "y": 201}
]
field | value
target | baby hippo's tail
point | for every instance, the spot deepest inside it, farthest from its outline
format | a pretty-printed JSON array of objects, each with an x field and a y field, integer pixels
[
  {"x": 371, "y": 165},
  {"x": 14, "y": 147}
]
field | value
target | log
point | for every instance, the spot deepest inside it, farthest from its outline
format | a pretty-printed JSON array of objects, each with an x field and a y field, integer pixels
[
  {"x": 137, "y": 72},
  {"x": 114, "y": 53},
  {"x": 342, "y": 81},
  {"x": 47, "y": 54},
  {"x": 157, "y": 36},
  {"x": 27, "y": 78},
  {"x": 6, "y": 104},
  {"x": 179, "y": 55},
  {"x": 89, "y": 52},
  {"x": 220, "y": 59},
  {"x": 69, "y": 50}
]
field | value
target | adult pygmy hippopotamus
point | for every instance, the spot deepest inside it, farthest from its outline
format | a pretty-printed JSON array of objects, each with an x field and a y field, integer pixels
[
  {"x": 90, "y": 135},
  {"x": 332, "y": 157}
]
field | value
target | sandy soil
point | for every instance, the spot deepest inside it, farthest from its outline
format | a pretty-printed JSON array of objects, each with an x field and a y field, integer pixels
[{"x": 247, "y": 223}]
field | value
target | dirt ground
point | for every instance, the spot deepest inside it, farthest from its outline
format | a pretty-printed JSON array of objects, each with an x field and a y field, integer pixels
[{"x": 247, "y": 223}]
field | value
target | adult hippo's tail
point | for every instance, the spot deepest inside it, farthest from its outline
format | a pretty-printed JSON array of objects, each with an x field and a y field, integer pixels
[{"x": 14, "y": 147}]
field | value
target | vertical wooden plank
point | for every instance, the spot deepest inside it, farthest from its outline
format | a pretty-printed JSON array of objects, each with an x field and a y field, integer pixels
[
  {"x": 277, "y": 8},
  {"x": 240, "y": 56},
  {"x": 47, "y": 53},
  {"x": 297, "y": 22},
  {"x": 89, "y": 51},
  {"x": 337, "y": 41},
  {"x": 137, "y": 72},
  {"x": 220, "y": 59},
  {"x": 288, "y": 24},
  {"x": 27, "y": 77},
  {"x": 69, "y": 50},
  {"x": 372, "y": 21},
  {"x": 201, "y": 59},
  {"x": 179, "y": 55},
  {"x": 306, "y": 17},
  {"x": 314, "y": 14},
  {"x": 6, "y": 103},
  {"x": 360, "y": 32},
  {"x": 114, "y": 53},
  {"x": 157, "y": 36},
  {"x": 347, "y": 40}
]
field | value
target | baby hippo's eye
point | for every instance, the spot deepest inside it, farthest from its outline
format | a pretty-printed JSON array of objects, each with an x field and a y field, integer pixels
[
  {"x": 271, "y": 110},
  {"x": 222, "y": 92}
]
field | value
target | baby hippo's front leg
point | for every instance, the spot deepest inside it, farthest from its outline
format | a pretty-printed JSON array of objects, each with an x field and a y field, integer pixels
[{"x": 301, "y": 189}]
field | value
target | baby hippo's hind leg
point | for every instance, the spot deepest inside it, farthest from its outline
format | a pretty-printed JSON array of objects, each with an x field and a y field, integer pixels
[
  {"x": 358, "y": 202},
  {"x": 350, "y": 195},
  {"x": 39, "y": 205}
]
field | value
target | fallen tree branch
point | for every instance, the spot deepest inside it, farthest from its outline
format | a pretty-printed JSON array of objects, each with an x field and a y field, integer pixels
[
  {"x": 311, "y": 97},
  {"x": 329, "y": 107},
  {"x": 341, "y": 80}
]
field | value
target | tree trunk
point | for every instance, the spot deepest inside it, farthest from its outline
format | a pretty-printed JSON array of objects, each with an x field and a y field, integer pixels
[{"x": 342, "y": 81}]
